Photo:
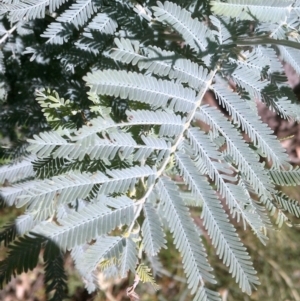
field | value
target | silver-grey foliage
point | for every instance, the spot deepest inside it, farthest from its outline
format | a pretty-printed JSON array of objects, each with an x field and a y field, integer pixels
[{"x": 167, "y": 137}]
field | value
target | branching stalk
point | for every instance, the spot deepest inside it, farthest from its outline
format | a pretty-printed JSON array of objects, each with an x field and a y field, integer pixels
[
  {"x": 178, "y": 140},
  {"x": 8, "y": 33}
]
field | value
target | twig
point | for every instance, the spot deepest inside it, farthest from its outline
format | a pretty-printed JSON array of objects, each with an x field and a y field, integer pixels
[
  {"x": 265, "y": 40},
  {"x": 139, "y": 204},
  {"x": 8, "y": 33}
]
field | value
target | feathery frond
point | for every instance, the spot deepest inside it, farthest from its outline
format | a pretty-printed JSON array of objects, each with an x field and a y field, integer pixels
[
  {"x": 17, "y": 171},
  {"x": 94, "y": 220},
  {"x": 23, "y": 256},
  {"x": 145, "y": 275},
  {"x": 288, "y": 204},
  {"x": 100, "y": 173},
  {"x": 251, "y": 124},
  {"x": 29, "y": 9},
  {"x": 286, "y": 177},
  {"x": 55, "y": 277},
  {"x": 186, "y": 237},
  {"x": 153, "y": 236},
  {"x": 223, "y": 235},
  {"x": 141, "y": 88},
  {"x": 78, "y": 13},
  {"x": 105, "y": 247},
  {"x": 192, "y": 31},
  {"x": 160, "y": 62},
  {"x": 271, "y": 11},
  {"x": 129, "y": 258},
  {"x": 240, "y": 152}
]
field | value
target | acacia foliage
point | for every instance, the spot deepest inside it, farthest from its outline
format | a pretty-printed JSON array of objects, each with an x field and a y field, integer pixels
[{"x": 119, "y": 89}]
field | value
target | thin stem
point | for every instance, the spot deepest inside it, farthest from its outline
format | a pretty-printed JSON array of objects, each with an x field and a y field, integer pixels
[
  {"x": 178, "y": 140},
  {"x": 8, "y": 33},
  {"x": 266, "y": 40}
]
